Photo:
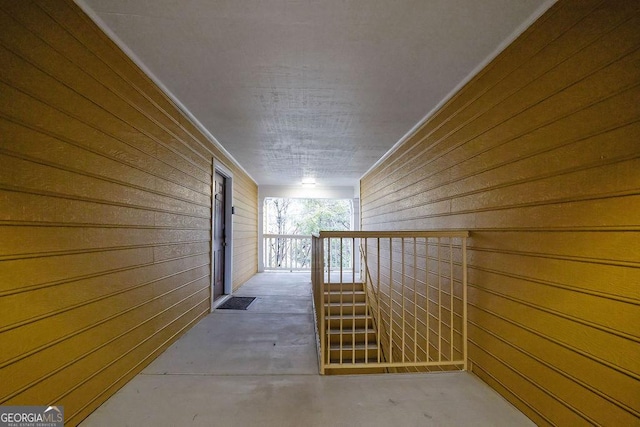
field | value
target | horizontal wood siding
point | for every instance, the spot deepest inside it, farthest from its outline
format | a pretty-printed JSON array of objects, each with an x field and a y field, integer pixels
[
  {"x": 539, "y": 157},
  {"x": 105, "y": 213}
]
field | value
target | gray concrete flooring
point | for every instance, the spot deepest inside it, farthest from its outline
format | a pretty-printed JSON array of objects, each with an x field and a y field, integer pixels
[{"x": 259, "y": 368}]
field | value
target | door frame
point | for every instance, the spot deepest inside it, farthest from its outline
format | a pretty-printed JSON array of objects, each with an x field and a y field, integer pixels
[{"x": 220, "y": 168}]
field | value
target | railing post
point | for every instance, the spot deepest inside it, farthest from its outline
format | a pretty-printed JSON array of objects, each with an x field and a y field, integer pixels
[
  {"x": 402, "y": 296},
  {"x": 464, "y": 303},
  {"x": 439, "y": 304},
  {"x": 379, "y": 320},
  {"x": 317, "y": 260},
  {"x": 391, "y": 299},
  {"x": 427, "y": 303},
  {"x": 365, "y": 283},
  {"x": 415, "y": 300},
  {"x": 353, "y": 300},
  {"x": 451, "y": 329}
]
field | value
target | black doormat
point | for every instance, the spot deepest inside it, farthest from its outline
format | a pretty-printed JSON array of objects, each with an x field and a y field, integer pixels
[{"x": 237, "y": 303}]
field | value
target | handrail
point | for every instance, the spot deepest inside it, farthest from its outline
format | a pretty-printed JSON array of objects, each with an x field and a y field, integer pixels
[
  {"x": 288, "y": 236},
  {"x": 414, "y": 299},
  {"x": 394, "y": 234}
]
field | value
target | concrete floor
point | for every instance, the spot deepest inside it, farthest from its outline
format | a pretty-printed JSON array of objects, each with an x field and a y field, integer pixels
[{"x": 259, "y": 368}]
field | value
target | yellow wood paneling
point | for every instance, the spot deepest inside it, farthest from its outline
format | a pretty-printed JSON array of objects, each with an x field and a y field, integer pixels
[
  {"x": 105, "y": 213},
  {"x": 538, "y": 156},
  {"x": 556, "y": 32},
  {"x": 38, "y": 365},
  {"x": 593, "y": 375},
  {"x": 72, "y": 296},
  {"x": 62, "y": 382}
]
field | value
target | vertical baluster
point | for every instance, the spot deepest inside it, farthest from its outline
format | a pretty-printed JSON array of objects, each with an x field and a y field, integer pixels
[
  {"x": 378, "y": 321},
  {"x": 415, "y": 300},
  {"x": 341, "y": 260},
  {"x": 363, "y": 277},
  {"x": 451, "y": 296},
  {"x": 439, "y": 305},
  {"x": 328, "y": 263},
  {"x": 402, "y": 258},
  {"x": 353, "y": 298},
  {"x": 341, "y": 303},
  {"x": 426, "y": 279},
  {"x": 319, "y": 256},
  {"x": 390, "y": 300},
  {"x": 464, "y": 301}
]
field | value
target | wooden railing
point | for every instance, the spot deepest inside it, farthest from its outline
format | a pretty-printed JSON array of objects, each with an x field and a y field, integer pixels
[
  {"x": 290, "y": 252},
  {"x": 398, "y": 305}
]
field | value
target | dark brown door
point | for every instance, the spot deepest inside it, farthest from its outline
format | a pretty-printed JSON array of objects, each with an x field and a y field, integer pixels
[{"x": 218, "y": 236}]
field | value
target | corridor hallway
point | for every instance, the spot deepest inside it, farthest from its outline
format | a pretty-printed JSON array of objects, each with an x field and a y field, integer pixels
[{"x": 259, "y": 368}]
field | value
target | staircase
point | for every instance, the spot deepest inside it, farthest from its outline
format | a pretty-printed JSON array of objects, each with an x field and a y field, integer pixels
[
  {"x": 390, "y": 301},
  {"x": 350, "y": 330}
]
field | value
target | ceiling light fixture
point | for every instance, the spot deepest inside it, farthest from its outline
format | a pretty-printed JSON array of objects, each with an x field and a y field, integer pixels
[{"x": 308, "y": 182}]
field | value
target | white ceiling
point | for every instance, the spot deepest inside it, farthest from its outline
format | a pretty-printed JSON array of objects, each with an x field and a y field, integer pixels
[{"x": 311, "y": 88}]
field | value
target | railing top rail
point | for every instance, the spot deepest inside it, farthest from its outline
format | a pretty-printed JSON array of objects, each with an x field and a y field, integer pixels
[
  {"x": 289, "y": 236},
  {"x": 393, "y": 234}
]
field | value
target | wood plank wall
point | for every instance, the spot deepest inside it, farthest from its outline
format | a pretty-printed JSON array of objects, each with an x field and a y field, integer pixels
[
  {"x": 539, "y": 157},
  {"x": 105, "y": 213}
]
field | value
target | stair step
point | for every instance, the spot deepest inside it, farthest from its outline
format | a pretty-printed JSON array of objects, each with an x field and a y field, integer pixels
[
  {"x": 357, "y": 296},
  {"x": 358, "y": 346},
  {"x": 349, "y": 352},
  {"x": 336, "y": 316},
  {"x": 345, "y": 304},
  {"x": 344, "y": 287},
  {"x": 337, "y": 308},
  {"x": 349, "y": 335},
  {"x": 335, "y": 321},
  {"x": 371, "y": 348},
  {"x": 358, "y": 331}
]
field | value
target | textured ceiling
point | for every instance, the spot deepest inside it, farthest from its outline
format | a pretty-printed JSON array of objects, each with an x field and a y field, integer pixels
[{"x": 311, "y": 88}]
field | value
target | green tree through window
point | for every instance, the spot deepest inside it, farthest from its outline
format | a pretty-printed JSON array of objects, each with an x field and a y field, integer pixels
[{"x": 302, "y": 217}]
